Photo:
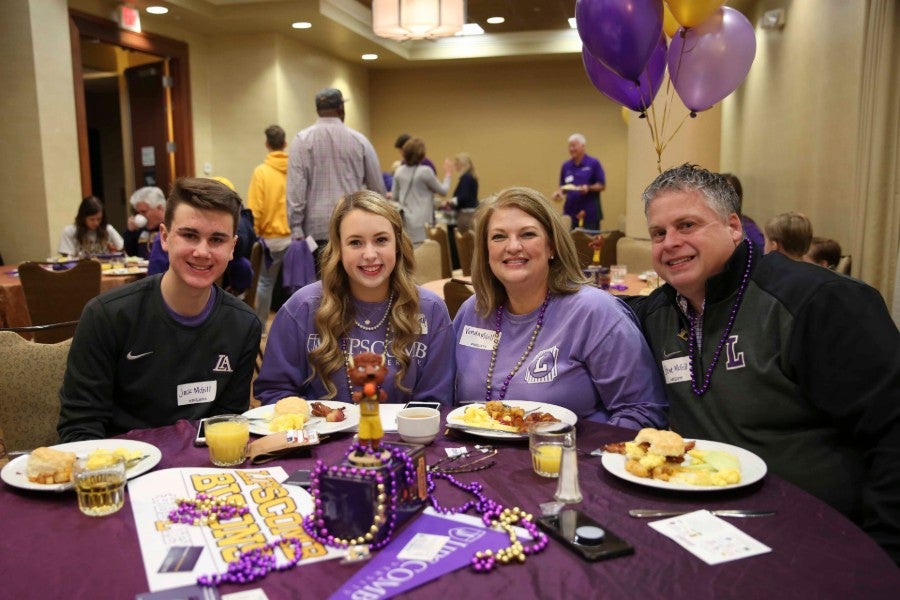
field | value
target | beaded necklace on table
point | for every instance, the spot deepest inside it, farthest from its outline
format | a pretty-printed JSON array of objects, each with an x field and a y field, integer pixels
[
  {"x": 521, "y": 361},
  {"x": 693, "y": 354}
]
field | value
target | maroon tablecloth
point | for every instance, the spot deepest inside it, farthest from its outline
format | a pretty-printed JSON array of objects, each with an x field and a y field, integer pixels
[{"x": 49, "y": 549}]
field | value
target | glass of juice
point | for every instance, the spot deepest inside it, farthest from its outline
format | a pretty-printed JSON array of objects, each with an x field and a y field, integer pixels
[
  {"x": 546, "y": 441},
  {"x": 227, "y": 437},
  {"x": 100, "y": 484}
]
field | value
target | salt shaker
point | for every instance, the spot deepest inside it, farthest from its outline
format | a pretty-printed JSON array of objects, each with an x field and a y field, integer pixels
[{"x": 567, "y": 489}]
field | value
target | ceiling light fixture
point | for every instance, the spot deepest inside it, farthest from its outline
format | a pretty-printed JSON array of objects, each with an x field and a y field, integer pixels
[
  {"x": 369, "y": 57},
  {"x": 470, "y": 29},
  {"x": 301, "y": 25},
  {"x": 417, "y": 19},
  {"x": 496, "y": 20},
  {"x": 157, "y": 10}
]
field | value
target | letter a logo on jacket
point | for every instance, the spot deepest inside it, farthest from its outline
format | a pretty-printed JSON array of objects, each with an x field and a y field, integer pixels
[{"x": 223, "y": 365}]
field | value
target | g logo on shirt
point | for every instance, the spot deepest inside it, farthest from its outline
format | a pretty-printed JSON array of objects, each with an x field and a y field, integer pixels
[{"x": 542, "y": 368}]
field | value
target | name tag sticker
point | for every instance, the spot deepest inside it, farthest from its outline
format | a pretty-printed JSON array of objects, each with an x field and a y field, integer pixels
[
  {"x": 423, "y": 324},
  {"x": 677, "y": 370},
  {"x": 196, "y": 393},
  {"x": 569, "y": 178},
  {"x": 475, "y": 337}
]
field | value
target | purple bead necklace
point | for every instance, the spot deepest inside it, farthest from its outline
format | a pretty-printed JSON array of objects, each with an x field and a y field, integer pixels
[
  {"x": 693, "y": 356},
  {"x": 521, "y": 361}
]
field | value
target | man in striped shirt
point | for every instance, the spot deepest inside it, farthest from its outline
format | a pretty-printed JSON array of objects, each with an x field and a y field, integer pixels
[{"x": 325, "y": 162}]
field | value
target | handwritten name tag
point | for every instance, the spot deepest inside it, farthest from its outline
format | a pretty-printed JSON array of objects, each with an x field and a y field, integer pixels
[
  {"x": 677, "y": 370},
  {"x": 475, "y": 337},
  {"x": 196, "y": 393}
]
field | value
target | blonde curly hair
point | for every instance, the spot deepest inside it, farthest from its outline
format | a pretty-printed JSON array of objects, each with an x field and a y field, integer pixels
[{"x": 335, "y": 315}]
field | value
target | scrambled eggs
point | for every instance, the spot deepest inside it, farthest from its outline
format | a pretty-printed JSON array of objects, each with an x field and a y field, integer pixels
[
  {"x": 478, "y": 416},
  {"x": 287, "y": 422},
  {"x": 102, "y": 457}
]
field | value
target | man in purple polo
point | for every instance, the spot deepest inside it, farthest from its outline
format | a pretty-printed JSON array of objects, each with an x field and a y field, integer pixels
[{"x": 581, "y": 180}]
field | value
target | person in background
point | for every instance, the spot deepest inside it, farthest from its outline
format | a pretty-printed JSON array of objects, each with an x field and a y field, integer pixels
[
  {"x": 142, "y": 229},
  {"x": 581, "y": 180},
  {"x": 267, "y": 198},
  {"x": 790, "y": 361},
  {"x": 366, "y": 301},
  {"x": 751, "y": 229},
  {"x": 534, "y": 330},
  {"x": 326, "y": 161},
  {"x": 91, "y": 233},
  {"x": 824, "y": 252},
  {"x": 465, "y": 196},
  {"x": 398, "y": 144},
  {"x": 170, "y": 346},
  {"x": 789, "y": 233},
  {"x": 414, "y": 188}
]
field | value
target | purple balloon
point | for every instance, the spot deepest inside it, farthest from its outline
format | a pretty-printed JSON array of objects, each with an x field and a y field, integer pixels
[
  {"x": 621, "y": 34},
  {"x": 635, "y": 95},
  {"x": 708, "y": 62}
]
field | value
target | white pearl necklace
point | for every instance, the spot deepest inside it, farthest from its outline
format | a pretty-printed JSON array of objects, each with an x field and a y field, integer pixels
[{"x": 368, "y": 327}]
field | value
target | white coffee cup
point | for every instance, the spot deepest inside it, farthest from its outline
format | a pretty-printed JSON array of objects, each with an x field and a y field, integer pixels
[
  {"x": 140, "y": 221},
  {"x": 418, "y": 425}
]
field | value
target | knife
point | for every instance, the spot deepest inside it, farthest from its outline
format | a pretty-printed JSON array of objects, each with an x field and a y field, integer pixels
[{"x": 648, "y": 512}]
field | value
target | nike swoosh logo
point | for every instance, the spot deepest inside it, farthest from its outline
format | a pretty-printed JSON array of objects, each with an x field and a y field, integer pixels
[
  {"x": 667, "y": 355},
  {"x": 131, "y": 356}
]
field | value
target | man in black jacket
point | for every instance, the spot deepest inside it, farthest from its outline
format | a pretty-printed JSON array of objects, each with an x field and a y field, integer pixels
[{"x": 790, "y": 361}]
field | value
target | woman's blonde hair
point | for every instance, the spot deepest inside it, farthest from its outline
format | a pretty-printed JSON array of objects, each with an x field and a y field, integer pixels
[
  {"x": 465, "y": 162},
  {"x": 565, "y": 276},
  {"x": 334, "y": 317}
]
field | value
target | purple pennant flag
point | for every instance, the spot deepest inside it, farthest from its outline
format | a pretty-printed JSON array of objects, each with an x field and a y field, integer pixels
[{"x": 387, "y": 575}]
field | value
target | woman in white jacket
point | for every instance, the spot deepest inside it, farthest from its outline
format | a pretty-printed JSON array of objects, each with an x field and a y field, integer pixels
[{"x": 414, "y": 188}]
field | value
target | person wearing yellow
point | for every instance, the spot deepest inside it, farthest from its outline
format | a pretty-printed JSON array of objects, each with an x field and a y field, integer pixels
[{"x": 266, "y": 198}]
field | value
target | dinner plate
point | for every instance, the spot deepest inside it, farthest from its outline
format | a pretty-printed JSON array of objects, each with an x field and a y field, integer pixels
[
  {"x": 13, "y": 472},
  {"x": 753, "y": 468},
  {"x": 351, "y": 412},
  {"x": 126, "y": 271},
  {"x": 569, "y": 187},
  {"x": 455, "y": 418}
]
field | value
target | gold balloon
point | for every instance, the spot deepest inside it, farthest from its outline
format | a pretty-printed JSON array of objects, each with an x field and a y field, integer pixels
[
  {"x": 691, "y": 13},
  {"x": 670, "y": 25},
  {"x": 626, "y": 114}
]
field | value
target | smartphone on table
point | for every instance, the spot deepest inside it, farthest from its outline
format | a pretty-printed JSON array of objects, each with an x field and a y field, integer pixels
[
  {"x": 200, "y": 439},
  {"x": 582, "y": 534},
  {"x": 417, "y": 404}
]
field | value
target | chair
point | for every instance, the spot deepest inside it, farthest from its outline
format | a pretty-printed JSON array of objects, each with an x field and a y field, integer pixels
[
  {"x": 583, "y": 247},
  {"x": 608, "y": 255},
  {"x": 58, "y": 296},
  {"x": 465, "y": 246},
  {"x": 634, "y": 254},
  {"x": 456, "y": 291},
  {"x": 428, "y": 262},
  {"x": 439, "y": 234},
  {"x": 30, "y": 377},
  {"x": 844, "y": 264},
  {"x": 256, "y": 258}
]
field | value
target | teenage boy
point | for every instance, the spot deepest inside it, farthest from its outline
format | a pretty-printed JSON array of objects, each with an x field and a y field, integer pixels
[{"x": 171, "y": 346}]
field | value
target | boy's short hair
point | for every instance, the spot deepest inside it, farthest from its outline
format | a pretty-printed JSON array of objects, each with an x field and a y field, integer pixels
[
  {"x": 275, "y": 137},
  {"x": 203, "y": 194}
]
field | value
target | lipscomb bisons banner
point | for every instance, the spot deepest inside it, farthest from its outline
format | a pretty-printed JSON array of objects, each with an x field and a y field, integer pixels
[{"x": 176, "y": 554}]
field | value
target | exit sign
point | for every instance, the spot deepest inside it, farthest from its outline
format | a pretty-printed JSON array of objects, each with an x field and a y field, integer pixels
[{"x": 129, "y": 18}]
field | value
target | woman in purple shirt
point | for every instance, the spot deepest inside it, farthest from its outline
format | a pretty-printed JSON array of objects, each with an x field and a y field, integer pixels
[
  {"x": 536, "y": 331},
  {"x": 366, "y": 302}
]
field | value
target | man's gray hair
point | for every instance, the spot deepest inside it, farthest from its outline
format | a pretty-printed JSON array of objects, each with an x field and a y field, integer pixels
[
  {"x": 577, "y": 137},
  {"x": 152, "y": 195},
  {"x": 718, "y": 192}
]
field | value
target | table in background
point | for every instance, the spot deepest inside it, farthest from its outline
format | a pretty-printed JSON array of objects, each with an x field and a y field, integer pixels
[
  {"x": 14, "y": 309},
  {"x": 633, "y": 284},
  {"x": 51, "y": 549}
]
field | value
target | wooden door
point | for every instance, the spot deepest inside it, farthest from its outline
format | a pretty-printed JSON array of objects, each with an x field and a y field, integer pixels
[{"x": 149, "y": 125}]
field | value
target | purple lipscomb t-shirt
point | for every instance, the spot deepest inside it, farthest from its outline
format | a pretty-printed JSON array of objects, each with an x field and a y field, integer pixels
[{"x": 590, "y": 357}]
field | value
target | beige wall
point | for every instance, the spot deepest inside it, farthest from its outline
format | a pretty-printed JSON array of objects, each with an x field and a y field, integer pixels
[{"x": 513, "y": 119}]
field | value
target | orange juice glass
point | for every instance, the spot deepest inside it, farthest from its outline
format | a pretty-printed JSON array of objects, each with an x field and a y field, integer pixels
[{"x": 227, "y": 437}]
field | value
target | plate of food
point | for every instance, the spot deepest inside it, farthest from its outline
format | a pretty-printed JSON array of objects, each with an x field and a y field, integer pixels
[
  {"x": 508, "y": 419},
  {"x": 570, "y": 187},
  {"x": 663, "y": 459},
  {"x": 126, "y": 271},
  {"x": 325, "y": 416},
  {"x": 50, "y": 469}
]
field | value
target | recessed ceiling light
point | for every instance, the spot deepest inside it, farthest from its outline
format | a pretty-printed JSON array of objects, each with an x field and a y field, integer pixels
[
  {"x": 369, "y": 57},
  {"x": 301, "y": 25},
  {"x": 496, "y": 20},
  {"x": 470, "y": 29},
  {"x": 157, "y": 10},
  {"x": 572, "y": 23}
]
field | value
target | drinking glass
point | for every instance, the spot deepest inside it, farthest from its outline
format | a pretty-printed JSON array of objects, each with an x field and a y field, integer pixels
[
  {"x": 227, "y": 437},
  {"x": 618, "y": 273},
  {"x": 546, "y": 441},
  {"x": 100, "y": 484}
]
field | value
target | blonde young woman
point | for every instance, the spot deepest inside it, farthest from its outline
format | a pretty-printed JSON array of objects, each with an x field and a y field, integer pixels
[
  {"x": 534, "y": 330},
  {"x": 366, "y": 301}
]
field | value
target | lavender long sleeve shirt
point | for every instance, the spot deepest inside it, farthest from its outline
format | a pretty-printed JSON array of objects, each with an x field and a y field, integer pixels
[
  {"x": 590, "y": 357},
  {"x": 286, "y": 368}
]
